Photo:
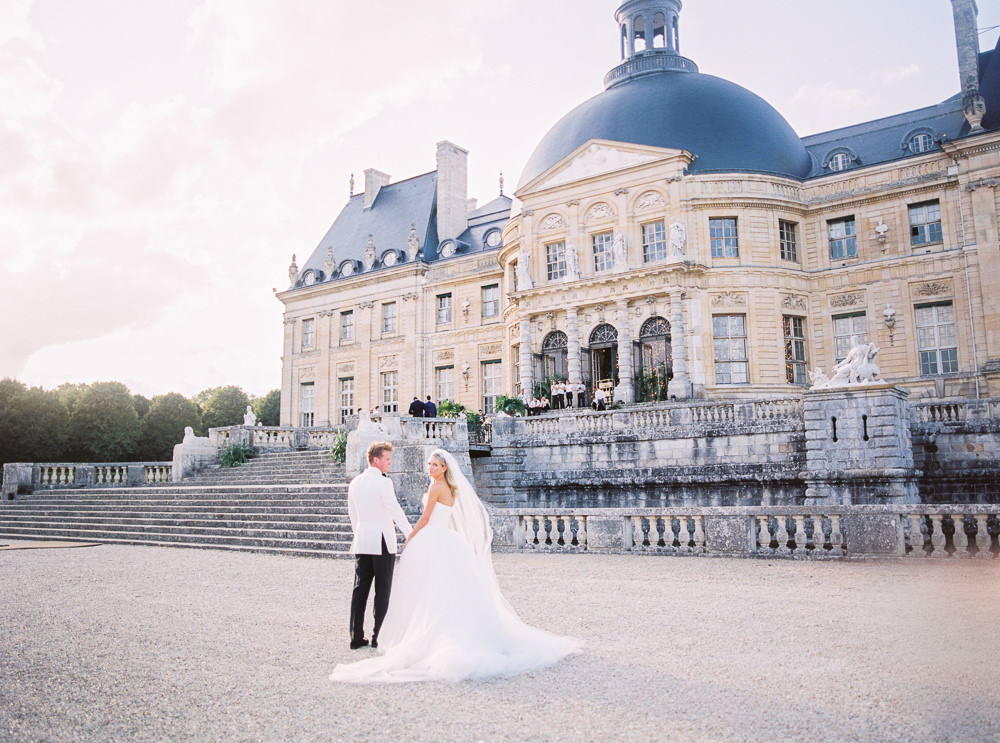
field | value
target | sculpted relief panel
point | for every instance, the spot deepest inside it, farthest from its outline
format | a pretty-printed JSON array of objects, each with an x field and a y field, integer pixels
[
  {"x": 932, "y": 289},
  {"x": 599, "y": 211},
  {"x": 857, "y": 299}
]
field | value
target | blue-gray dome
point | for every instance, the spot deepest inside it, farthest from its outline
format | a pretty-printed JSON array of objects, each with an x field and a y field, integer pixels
[{"x": 726, "y": 127}]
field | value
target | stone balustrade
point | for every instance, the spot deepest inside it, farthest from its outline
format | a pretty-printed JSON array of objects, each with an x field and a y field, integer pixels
[
  {"x": 825, "y": 532},
  {"x": 956, "y": 411},
  {"x": 22, "y": 478}
]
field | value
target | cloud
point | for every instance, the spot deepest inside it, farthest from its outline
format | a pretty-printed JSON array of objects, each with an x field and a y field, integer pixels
[{"x": 894, "y": 75}]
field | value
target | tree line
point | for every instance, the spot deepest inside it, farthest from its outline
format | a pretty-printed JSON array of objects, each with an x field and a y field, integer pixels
[{"x": 105, "y": 422}]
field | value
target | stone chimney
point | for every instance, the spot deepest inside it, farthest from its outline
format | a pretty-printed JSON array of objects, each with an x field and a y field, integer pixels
[
  {"x": 452, "y": 190},
  {"x": 967, "y": 40},
  {"x": 374, "y": 180}
]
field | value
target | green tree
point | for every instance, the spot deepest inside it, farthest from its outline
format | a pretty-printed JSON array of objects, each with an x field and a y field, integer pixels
[
  {"x": 268, "y": 408},
  {"x": 164, "y": 424},
  {"x": 103, "y": 424},
  {"x": 222, "y": 406},
  {"x": 142, "y": 405},
  {"x": 33, "y": 423}
]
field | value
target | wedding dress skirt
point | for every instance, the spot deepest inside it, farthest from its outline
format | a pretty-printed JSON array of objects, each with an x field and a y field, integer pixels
[{"x": 447, "y": 619}]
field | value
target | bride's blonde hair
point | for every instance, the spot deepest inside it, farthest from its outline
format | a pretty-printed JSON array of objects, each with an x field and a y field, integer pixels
[{"x": 448, "y": 478}]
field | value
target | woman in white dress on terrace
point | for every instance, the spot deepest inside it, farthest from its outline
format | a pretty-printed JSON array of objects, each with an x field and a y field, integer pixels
[{"x": 447, "y": 619}]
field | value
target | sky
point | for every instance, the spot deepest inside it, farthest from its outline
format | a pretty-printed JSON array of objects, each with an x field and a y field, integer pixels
[{"x": 161, "y": 161}]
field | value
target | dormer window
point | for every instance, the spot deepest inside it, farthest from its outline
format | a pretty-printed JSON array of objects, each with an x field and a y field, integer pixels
[
  {"x": 840, "y": 161},
  {"x": 919, "y": 141}
]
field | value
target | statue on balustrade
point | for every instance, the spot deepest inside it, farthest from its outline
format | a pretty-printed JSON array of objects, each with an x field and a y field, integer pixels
[
  {"x": 858, "y": 367},
  {"x": 249, "y": 419}
]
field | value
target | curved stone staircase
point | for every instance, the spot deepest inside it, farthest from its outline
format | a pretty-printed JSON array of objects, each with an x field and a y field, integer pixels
[{"x": 292, "y": 503}]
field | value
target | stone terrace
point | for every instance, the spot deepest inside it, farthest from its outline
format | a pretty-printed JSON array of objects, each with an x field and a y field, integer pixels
[{"x": 138, "y": 643}]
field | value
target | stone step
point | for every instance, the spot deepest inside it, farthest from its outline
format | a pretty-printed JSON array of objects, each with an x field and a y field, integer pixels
[
  {"x": 186, "y": 508},
  {"x": 305, "y": 488},
  {"x": 305, "y": 522},
  {"x": 174, "y": 527},
  {"x": 312, "y": 546}
]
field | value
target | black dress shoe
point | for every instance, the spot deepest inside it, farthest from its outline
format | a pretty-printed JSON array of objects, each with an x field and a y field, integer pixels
[
  {"x": 374, "y": 643},
  {"x": 355, "y": 644}
]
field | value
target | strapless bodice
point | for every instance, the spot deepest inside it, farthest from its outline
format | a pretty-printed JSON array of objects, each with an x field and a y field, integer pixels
[{"x": 441, "y": 515}]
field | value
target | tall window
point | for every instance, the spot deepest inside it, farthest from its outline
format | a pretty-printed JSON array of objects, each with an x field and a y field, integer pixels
[
  {"x": 925, "y": 223},
  {"x": 307, "y": 397},
  {"x": 843, "y": 239},
  {"x": 555, "y": 260},
  {"x": 795, "y": 349},
  {"x": 347, "y": 326},
  {"x": 729, "y": 334},
  {"x": 444, "y": 383},
  {"x": 787, "y": 234},
  {"x": 390, "y": 392},
  {"x": 936, "y": 342},
  {"x": 443, "y": 309},
  {"x": 491, "y": 384},
  {"x": 603, "y": 260},
  {"x": 654, "y": 242},
  {"x": 346, "y": 385},
  {"x": 723, "y": 237},
  {"x": 388, "y": 318},
  {"x": 308, "y": 333},
  {"x": 491, "y": 301},
  {"x": 845, "y": 327},
  {"x": 515, "y": 358}
]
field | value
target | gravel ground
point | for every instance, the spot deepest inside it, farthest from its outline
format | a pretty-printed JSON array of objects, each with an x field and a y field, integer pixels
[{"x": 122, "y": 643}]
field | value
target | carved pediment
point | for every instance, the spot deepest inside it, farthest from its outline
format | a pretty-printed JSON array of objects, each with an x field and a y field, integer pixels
[{"x": 597, "y": 158}]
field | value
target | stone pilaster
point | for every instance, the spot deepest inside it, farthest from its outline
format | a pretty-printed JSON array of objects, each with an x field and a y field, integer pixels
[
  {"x": 573, "y": 350},
  {"x": 527, "y": 384},
  {"x": 679, "y": 387},
  {"x": 858, "y": 446},
  {"x": 287, "y": 375},
  {"x": 625, "y": 391},
  {"x": 324, "y": 392}
]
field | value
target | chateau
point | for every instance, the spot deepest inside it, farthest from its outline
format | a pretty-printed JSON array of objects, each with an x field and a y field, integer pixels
[{"x": 672, "y": 237}]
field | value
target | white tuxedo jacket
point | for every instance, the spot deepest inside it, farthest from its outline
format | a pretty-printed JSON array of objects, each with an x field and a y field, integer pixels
[{"x": 372, "y": 506}]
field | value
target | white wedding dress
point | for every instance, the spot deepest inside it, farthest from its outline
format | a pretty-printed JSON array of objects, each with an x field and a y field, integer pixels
[{"x": 447, "y": 619}]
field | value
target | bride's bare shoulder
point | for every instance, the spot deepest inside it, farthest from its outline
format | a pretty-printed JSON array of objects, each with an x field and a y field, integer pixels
[{"x": 441, "y": 493}]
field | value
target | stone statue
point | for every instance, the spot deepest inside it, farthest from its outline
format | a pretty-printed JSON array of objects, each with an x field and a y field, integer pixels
[
  {"x": 293, "y": 271},
  {"x": 330, "y": 264},
  {"x": 858, "y": 367},
  {"x": 618, "y": 251},
  {"x": 524, "y": 270},
  {"x": 412, "y": 243},
  {"x": 370, "y": 253},
  {"x": 191, "y": 439},
  {"x": 367, "y": 425},
  {"x": 249, "y": 419},
  {"x": 678, "y": 238},
  {"x": 572, "y": 262}
]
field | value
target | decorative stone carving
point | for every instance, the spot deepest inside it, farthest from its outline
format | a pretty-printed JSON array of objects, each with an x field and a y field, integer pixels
[
  {"x": 347, "y": 368},
  {"x": 446, "y": 354},
  {"x": 729, "y": 299},
  {"x": 595, "y": 160},
  {"x": 330, "y": 264},
  {"x": 858, "y": 367},
  {"x": 678, "y": 239},
  {"x": 932, "y": 288},
  {"x": 249, "y": 419},
  {"x": 490, "y": 350},
  {"x": 409, "y": 296},
  {"x": 293, "y": 271},
  {"x": 307, "y": 374},
  {"x": 412, "y": 243},
  {"x": 386, "y": 362},
  {"x": 880, "y": 229},
  {"x": 552, "y": 222},
  {"x": 191, "y": 439},
  {"x": 514, "y": 332},
  {"x": 649, "y": 200},
  {"x": 621, "y": 191},
  {"x": 289, "y": 321},
  {"x": 792, "y": 302},
  {"x": 370, "y": 253},
  {"x": 848, "y": 300},
  {"x": 599, "y": 210}
]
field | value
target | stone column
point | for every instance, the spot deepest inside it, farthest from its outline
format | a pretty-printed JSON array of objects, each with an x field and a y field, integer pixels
[
  {"x": 324, "y": 389},
  {"x": 287, "y": 373},
  {"x": 573, "y": 350},
  {"x": 527, "y": 384},
  {"x": 625, "y": 391},
  {"x": 679, "y": 387}
]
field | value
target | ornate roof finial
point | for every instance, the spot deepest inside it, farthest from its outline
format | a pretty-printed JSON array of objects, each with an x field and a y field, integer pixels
[
  {"x": 352, "y": 184},
  {"x": 501, "y": 183},
  {"x": 293, "y": 271}
]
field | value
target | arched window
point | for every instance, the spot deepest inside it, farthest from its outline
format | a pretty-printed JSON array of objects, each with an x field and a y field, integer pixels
[
  {"x": 921, "y": 142},
  {"x": 554, "y": 355},
  {"x": 659, "y": 31},
  {"x": 655, "y": 362},
  {"x": 639, "y": 43},
  {"x": 603, "y": 335},
  {"x": 840, "y": 161},
  {"x": 555, "y": 339}
]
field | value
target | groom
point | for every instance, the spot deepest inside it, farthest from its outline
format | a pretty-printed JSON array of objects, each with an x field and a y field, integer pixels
[{"x": 372, "y": 506}]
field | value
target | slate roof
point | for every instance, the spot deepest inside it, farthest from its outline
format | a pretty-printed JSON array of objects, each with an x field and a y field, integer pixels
[{"x": 396, "y": 207}]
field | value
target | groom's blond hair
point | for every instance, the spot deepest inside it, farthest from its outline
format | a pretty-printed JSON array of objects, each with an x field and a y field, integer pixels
[{"x": 376, "y": 449}]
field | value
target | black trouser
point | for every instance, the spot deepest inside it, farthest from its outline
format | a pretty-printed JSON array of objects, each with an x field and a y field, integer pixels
[{"x": 367, "y": 568}]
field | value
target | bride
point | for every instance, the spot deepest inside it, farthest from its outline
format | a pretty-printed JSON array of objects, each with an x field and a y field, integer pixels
[{"x": 447, "y": 619}]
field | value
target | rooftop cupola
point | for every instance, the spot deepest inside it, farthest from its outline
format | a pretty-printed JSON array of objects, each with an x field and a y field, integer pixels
[{"x": 650, "y": 40}]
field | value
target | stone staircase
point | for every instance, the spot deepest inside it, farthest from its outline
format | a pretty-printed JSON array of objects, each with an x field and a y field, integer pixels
[{"x": 292, "y": 503}]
